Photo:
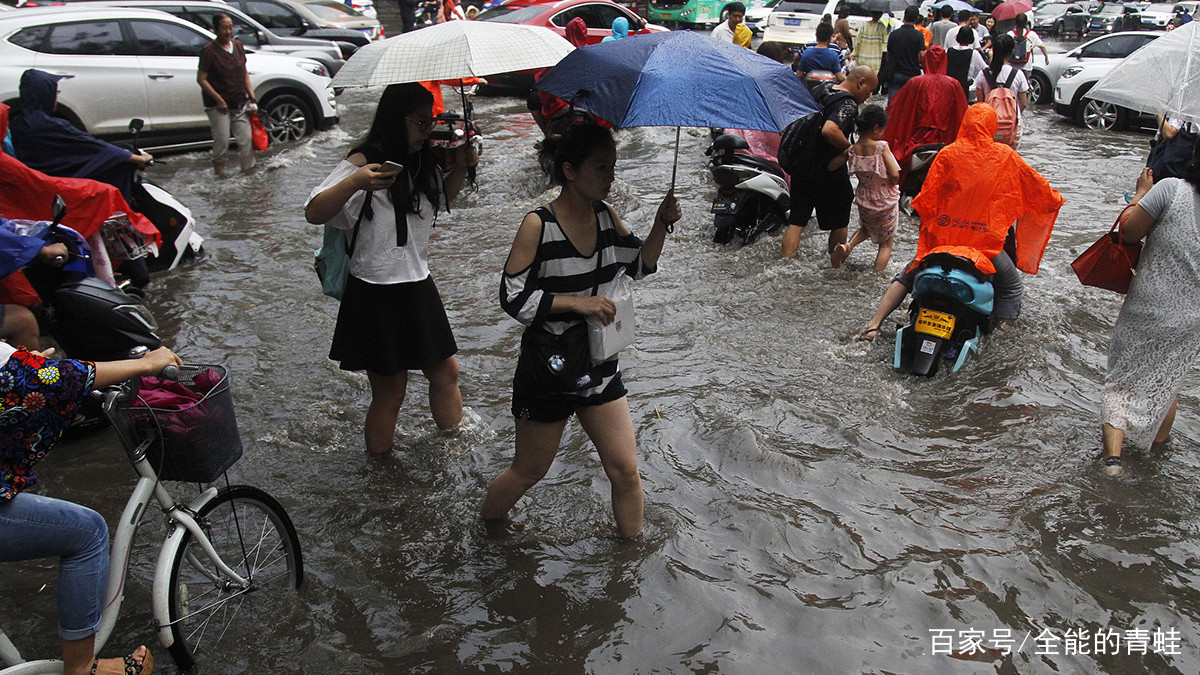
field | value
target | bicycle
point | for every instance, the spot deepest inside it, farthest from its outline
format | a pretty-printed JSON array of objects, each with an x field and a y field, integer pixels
[{"x": 222, "y": 547}]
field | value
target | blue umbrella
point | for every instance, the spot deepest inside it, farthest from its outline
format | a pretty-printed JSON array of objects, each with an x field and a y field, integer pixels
[{"x": 679, "y": 79}]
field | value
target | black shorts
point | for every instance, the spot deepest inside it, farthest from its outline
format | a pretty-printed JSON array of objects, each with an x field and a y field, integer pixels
[
  {"x": 827, "y": 192},
  {"x": 389, "y": 328},
  {"x": 538, "y": 397}
]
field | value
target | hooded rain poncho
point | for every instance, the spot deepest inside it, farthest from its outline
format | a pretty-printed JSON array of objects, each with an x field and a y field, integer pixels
[
  {"x": 928, "y": 109},
  {"x": 52, "y": 145},
  {"x": 976, "y": 189}
]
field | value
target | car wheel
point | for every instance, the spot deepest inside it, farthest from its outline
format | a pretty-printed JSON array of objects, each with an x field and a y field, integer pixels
[
  {"x": 1095, "y": 114},
  {"x": 1058, "y": 29},
  {"x": 286, "y": 118},
  {"x": 1039, "y": 88}
]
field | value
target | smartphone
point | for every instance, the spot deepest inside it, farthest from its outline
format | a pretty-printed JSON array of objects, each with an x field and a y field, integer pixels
[{"x": 391, "y": 166}]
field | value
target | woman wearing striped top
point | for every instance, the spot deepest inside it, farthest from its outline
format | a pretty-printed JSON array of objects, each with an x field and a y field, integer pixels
[{"x": 550, "y": 285}]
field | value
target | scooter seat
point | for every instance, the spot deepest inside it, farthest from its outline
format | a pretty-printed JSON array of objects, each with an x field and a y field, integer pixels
[{"x": 754, "y": 161}]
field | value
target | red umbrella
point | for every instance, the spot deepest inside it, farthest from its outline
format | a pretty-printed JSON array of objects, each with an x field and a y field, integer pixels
[{"x": 1011, "y": 8}]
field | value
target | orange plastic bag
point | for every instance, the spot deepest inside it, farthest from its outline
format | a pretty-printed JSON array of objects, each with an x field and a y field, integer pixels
[{"x": 259, "y": 133}]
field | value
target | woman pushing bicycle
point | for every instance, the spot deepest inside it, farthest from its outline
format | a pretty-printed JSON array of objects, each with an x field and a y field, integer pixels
[{"x": 39, "y": 398}]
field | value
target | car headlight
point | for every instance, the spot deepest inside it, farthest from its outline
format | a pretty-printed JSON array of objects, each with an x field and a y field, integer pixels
[
  {"x": 1071, "y": 72},
  {"x": 313, "y": 67}
]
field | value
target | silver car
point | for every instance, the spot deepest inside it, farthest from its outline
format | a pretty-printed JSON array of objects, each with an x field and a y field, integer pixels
[
  {"x": 253, "y": 35},
  {"x": 120, "y": 63}
]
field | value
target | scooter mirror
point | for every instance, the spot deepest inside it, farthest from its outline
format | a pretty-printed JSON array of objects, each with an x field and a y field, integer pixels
[
  {"x": 58, "y": 211},
  {"x": 136, "y": 124}
]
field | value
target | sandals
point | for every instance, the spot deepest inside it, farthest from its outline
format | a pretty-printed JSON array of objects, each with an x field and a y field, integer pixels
[
  {"x": 868, "y": 335},
  {"x": 132, "y": 667}
]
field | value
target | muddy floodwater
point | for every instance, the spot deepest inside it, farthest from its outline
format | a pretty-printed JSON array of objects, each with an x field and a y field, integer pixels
[{"x": 808, "y": 510}]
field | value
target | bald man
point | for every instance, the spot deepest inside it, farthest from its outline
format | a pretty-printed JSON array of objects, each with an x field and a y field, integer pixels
[{"x": 822, "y": 182}]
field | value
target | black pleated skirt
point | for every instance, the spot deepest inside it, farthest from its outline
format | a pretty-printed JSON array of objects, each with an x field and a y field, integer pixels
[{"x": 388, "y": 328}]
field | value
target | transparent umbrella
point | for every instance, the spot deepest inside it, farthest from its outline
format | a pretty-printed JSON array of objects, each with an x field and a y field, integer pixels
[
  {"x": 1163, "y": 77},
  {"x": 453, "y": 50}
]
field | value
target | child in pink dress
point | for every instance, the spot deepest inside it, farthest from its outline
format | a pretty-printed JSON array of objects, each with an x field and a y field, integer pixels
[{"x": 878, "y": 193}]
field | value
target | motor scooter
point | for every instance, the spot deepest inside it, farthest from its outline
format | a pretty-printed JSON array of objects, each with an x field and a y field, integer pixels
[
  {"x": 752, "y": 192},
  {"x": 174, "y": 221},
  {"x": 918, "y": 168},
  {"x": 86, "y": 317},
  {"x": 451, "y": 129},
  {"x": 950, "y": 312}
]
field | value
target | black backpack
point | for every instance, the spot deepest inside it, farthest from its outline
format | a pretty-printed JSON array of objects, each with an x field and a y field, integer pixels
[{"x": 801, "y": 138}]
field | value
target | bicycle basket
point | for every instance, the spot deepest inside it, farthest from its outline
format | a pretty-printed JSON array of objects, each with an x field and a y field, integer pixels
[{"x": 192, "y": 442}]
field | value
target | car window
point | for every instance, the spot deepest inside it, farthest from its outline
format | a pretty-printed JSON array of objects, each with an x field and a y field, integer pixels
[
  {"x": 1115, "y": 47},
  {"x": 564, "y": 17},
  {"x": 203, "y": 17},
  {"x": 273, "y": 16},
  {"x": 606, "y": 13},
  {"x": 511, "y": 14},
  {"x": 31, "y": 38},
  {"x": 87, "y": 37},
  {"x": 801, "y": 7},
  {"x": 159, "y": 38}
]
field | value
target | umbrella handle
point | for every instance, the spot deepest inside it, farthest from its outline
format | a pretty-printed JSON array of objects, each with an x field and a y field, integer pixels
[{"x": 674, "y": 168}]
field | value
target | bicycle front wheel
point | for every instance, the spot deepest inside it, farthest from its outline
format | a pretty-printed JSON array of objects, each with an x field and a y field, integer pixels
[{"x": 255, "y": 538}]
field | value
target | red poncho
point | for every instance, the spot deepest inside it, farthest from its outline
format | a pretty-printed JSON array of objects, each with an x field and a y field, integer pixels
[
  {"x": 928, "y": 109},
  {"x": 29, "y": 194},
  {"x": 552, "y": 106},
  {"x": 976, "y": 189}
]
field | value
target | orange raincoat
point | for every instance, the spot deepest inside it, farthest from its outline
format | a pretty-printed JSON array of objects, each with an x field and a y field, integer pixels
[{"x": 976, "y": 189}]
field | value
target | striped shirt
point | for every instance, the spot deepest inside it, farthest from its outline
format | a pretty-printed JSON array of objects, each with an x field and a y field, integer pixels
[{"x": 558, "y": 268}]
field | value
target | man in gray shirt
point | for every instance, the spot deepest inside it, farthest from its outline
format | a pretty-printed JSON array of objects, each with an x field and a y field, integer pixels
[{"x": 943, "y": 25}]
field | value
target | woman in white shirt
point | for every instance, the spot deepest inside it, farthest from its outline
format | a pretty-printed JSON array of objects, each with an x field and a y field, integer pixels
[{"x": 391, "y": 319}]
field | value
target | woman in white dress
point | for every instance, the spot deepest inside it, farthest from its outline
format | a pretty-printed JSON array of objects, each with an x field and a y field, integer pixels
[{"x": 1157, "y": 335}]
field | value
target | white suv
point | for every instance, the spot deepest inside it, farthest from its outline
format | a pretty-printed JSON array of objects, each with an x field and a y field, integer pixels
[
  {"x": 794, "y": 22},
  {"x": 121, "y": 63}
]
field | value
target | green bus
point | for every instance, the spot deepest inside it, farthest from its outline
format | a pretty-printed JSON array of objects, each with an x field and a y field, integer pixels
[
  {"x": 706, "y": 13},
  {"x": 686, "y": 13}
]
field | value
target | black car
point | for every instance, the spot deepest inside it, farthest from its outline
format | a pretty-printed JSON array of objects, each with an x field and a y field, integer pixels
[{"x": 1114, "y": 17}]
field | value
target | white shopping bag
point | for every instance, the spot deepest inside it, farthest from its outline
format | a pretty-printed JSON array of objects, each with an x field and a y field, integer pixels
[{"x": 605, "y": 341}]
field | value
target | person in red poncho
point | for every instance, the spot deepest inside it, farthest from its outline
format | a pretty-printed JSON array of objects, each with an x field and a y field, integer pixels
[
  {"x": 975, "y": 191},
  {"x": 545, "y": 107},
  {"x": 928, "y": 109}
]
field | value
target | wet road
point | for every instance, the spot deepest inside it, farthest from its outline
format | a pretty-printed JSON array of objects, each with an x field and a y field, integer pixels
[{"x": 807, "y": 509}]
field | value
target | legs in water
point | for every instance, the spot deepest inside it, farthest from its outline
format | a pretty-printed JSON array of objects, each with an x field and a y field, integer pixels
[
  {"x": 842, "y": 251},
  {"x": 537, "y": 444},
  {"x": 610, "y": 428},
  {"x": 791, "y": 240},
  {"x": 387, "y": 395},
  {"x": 1114, "y": 438},
  {"x": 445, "y": 399}
]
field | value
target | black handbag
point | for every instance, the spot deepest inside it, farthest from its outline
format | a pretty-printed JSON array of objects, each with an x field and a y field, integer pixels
[
  {"x": 563, "y": 362},
  {"x": 560, "y": 363}
]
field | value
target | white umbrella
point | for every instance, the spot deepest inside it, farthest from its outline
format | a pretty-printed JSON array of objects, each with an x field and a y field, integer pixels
[
  {"x": 1162, "y": 77},
  {"x": 453, "y": 50}
]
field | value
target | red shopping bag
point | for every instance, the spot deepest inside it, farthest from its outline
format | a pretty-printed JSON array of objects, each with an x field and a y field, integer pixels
[{"x": 259, "y": 133}]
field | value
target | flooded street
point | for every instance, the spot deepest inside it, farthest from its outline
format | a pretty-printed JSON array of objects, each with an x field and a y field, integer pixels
[{"x": 808, "y": 510}]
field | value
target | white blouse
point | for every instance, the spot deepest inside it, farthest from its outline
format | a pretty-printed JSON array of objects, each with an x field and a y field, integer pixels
[{"x": 376, "y": 258}]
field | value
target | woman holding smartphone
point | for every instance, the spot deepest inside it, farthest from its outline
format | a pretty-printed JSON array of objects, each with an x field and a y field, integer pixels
[{"x": 391, "y": 319}]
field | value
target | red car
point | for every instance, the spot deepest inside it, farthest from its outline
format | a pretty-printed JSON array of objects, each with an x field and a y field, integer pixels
[{"x": 555, "y": 14}]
